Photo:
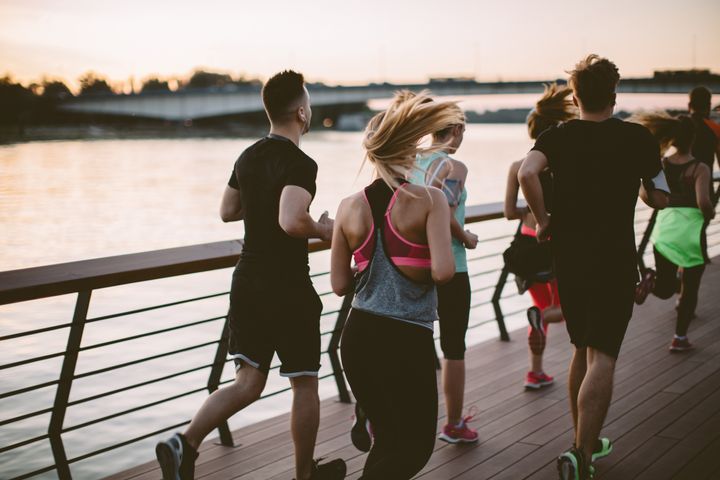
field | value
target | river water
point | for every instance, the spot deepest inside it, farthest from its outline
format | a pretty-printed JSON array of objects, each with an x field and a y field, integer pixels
[{"x": 72, "y": 200}]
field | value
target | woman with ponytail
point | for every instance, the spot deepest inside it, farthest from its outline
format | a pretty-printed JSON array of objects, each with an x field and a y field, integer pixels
[
  {"x": 529, "y": 260},
  {"x": 679, "y": 234},
  {"x": 398, "y": 236},
  {"x": 439, "y": 170}
]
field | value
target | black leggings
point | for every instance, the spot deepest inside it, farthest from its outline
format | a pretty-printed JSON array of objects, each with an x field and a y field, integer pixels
[
  {"x": 667, "y": 284},
  {"x": 390, "y": 366},
  {"x": 454, "y": 313}
]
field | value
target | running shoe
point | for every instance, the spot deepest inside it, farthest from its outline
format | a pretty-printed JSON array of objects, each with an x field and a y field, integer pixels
[
  {"x": 571, "y": 465},
  {"x": 680, "y": 345},
  {"x": 361, "y": 432},
  {"x": 461, "y": 433},
  {"x": 176, "y": 458},
  {"x": 536, "y": 381},
  {"x": 332, "y": 470},
  {"x": 536, "y": 339},
  {"x": 603, "y": 447},
  {"x": 535, "y": 320},
  {"x": 646, "y": 285}
]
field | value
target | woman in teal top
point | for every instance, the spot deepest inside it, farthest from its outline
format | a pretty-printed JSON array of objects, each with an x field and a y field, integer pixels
[{"x": 440, "y": 170}]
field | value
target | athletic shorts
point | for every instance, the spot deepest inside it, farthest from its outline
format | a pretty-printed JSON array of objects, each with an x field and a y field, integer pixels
[
  {"x": 454, "y": 312},
  {"x": 272, "y": 313},
  {"x": 597, "y": 311}
]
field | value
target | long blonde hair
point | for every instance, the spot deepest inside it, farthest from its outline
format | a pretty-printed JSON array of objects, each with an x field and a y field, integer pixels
[
  {"x": 392, "y": 138},
  {"x": 554, "y": 107}
]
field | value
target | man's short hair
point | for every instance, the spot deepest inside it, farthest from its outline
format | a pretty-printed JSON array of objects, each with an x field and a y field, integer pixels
[
  {"x": 593, "y": 81},
  {"x": 281, "y": 92},
  {"x": 700, "y": 100}
]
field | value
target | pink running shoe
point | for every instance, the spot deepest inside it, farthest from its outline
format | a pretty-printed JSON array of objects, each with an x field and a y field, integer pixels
[
  {"x": 536, "y": 381},
  {"x": 459, "y": 433},
  {"x": 680, "y": 345}
]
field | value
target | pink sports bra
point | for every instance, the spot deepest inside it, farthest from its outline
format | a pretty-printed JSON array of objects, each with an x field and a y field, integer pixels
[{"x": 401, "y": 251}]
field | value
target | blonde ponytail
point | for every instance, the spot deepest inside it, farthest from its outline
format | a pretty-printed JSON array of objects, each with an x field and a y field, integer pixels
[
  {"x": 554, "y": 107},
  {"x": 392, "y": 138}
]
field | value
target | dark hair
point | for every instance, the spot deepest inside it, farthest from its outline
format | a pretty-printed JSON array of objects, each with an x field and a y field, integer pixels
[
  {"x": 281, "y": 92},
  {"x": 678, "y": 132},
  {"x": 593, "y": 81},
  {"x": 700, "y": 100}
]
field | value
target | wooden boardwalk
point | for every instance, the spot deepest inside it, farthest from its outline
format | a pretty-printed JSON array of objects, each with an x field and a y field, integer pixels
[{"x": 664, "y": 418}]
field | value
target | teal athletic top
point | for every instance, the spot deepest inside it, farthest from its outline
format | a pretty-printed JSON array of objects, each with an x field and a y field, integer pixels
[{"x": 418, "y": 176}]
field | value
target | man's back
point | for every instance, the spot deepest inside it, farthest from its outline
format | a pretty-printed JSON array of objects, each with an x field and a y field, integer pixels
[
  {"x": 261, "y": 173},
  {"x": 597, "y": 168}
]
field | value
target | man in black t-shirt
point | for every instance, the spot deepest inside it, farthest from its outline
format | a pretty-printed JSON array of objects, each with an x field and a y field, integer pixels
[
  {"x": 598, "y": 163},
  {"x": 273, "y": 305}
]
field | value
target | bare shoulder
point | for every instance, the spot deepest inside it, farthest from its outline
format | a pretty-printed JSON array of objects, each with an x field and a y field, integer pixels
[
  {"x": 702, "y": 170},
  {"x": 459, "y": 168},
  {"x": 354, "y": 202}
]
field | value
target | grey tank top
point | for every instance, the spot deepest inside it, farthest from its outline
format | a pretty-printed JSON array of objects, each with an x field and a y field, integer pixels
[{"x": 381, "y": 289}]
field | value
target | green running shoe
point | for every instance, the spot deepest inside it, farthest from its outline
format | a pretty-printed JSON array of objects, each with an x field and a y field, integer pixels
[
  {"x": 603, "y": 447},
  {"x": 571, "y": 466}
]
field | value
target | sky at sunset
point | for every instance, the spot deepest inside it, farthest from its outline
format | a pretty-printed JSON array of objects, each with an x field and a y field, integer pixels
[{"x": 353, "y": 42}]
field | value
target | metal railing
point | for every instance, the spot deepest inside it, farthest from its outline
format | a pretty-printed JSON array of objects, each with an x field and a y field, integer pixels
[{"x": 84, "y": 277}]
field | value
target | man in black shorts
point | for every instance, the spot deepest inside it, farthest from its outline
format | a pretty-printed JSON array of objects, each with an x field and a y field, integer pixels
[
  {"x": 597, "y": 164},
  {"x": 273, "y": 305}
]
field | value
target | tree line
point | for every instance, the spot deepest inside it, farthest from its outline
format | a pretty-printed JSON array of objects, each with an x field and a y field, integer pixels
[{"x": 20, "y": 104}]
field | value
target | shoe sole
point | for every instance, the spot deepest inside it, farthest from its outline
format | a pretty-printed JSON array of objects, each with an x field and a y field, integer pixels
[
  {"x": 535, "y": 320},
  {"x": 168, "y": 462},
  {"x": 678, "y": 350},
  {"x": 537, "y": 386},
  {"x": 597, "y": 456},
  {"x": 360, "y": 437},
  {"x": 566, "y": 469},
  {"x": 449, "y": 439}
]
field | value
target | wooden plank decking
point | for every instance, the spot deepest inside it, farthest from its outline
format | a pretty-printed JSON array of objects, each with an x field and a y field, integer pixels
[{"x": 664, "y": 419}]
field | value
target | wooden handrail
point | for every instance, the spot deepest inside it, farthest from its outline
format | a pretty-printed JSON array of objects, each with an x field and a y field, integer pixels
[{"x": 63, "y": 278}]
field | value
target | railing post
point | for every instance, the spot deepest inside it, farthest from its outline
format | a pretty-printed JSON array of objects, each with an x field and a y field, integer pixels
[
  {"x": 215, "y": 376},
  {"x": 499, "y": 287},
  {"x": 644, "y": 241},
  {"x": 333, "y": 349},
  {"x": 62, "y": 394}
]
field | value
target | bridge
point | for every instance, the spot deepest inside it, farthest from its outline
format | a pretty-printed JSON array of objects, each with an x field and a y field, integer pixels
[{"x": 234, "y": 100}]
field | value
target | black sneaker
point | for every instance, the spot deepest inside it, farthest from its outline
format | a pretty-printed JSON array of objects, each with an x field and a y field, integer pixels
[
  {"x": 360, "y": 433},
  {"x": 176, "y": 458},
  {"x": 333, "y": 470},
  {"x": 572, "y": 465}
]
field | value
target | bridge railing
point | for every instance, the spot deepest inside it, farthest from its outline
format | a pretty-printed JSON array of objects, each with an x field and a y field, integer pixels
[{"x": 85, "y": 277}]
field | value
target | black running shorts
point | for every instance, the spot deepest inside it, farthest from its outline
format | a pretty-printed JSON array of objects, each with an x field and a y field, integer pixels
[
  {"x": 454, "y": 312},
  {"x": 597, "y": 311},
  {"x": 270, "y": 313}
]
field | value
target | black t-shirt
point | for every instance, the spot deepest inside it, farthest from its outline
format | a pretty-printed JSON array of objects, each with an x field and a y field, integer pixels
[
  {"x": 597, "y": 168},
  {"x": 260, "y": 174}
]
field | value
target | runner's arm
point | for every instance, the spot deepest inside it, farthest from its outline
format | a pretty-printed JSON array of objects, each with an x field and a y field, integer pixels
[
  {"x": 529, "y": 179},
  {"x": 703, "y": 193},
  {"x": 442, "y": 263},
  {"x": 231, "y": 206},
  {"x": 457, "y": 172},
  {"x": 341, "y": 272},
  {"x": 294, "y": 218},
  {"x": 510, "y": 210}
]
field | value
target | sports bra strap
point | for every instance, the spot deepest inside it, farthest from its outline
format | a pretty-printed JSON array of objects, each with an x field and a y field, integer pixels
[
  {"x": 380, "y": 198},
  {"x": 434, "y": 174}
]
